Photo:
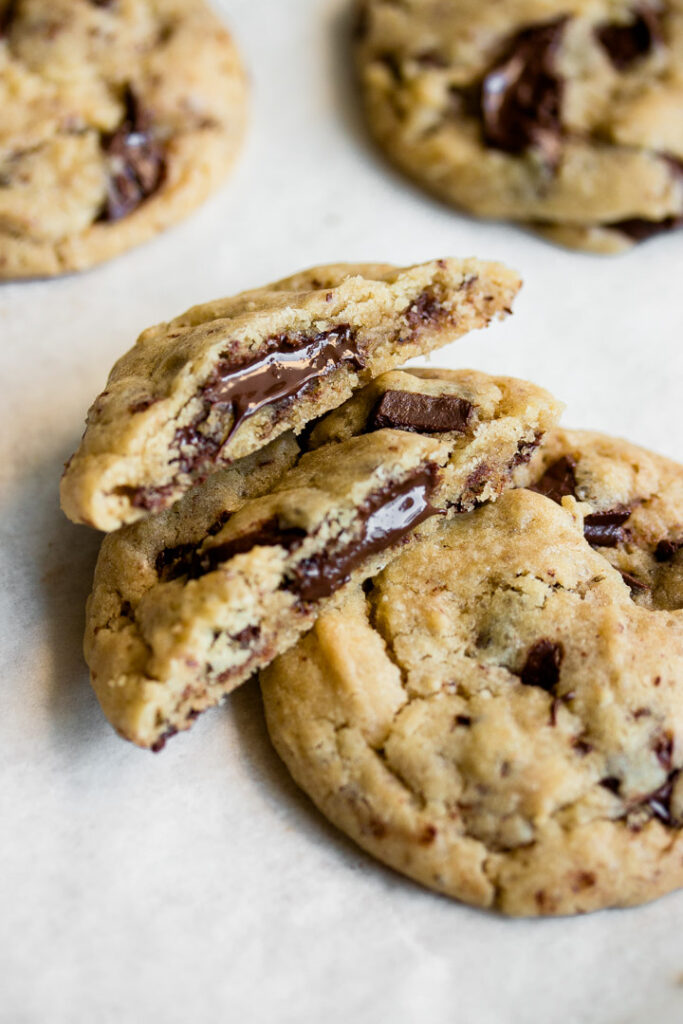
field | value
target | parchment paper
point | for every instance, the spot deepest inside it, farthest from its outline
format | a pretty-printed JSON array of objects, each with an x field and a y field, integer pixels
[{"x": 198, "y": 885}]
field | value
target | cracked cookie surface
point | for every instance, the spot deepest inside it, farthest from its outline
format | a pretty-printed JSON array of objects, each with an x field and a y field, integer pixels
[
  {"x": 118, "y": 118},
  {"x": 564, "y": 115},
  {"x": 227, "y": 377},
  {"x": 498, "y": 716},
  {"x": 187, "y": 604}
]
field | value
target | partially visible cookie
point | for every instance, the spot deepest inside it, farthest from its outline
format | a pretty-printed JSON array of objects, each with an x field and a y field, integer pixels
[
  {"x": 631, "y": 503},
  {"x": 562, "y": 114},
  {"x": 118, "y": 118},
  {"x": 229, "y": 376},
  {"x": 495, "y": 716},
  {"x": 188, "y": 604}
]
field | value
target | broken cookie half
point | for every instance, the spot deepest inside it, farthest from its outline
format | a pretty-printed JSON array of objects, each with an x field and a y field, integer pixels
[
  {"x": 189, "y": 604},
  {"x": 228, "y": 377}
]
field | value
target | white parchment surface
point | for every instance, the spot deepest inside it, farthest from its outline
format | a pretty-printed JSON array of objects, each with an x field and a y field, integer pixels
[{"x": 199, "y": 885}]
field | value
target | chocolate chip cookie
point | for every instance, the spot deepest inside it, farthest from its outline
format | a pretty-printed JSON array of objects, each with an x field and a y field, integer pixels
[
  {"x": 499, "y": 714},
  {"x": 564, "y": 115},
  {"x": 119, "y": 117},
  {"x": 632, "y": 503},
  {"x": 188, "y": 604},
  {"x": 229, "y": 376}
]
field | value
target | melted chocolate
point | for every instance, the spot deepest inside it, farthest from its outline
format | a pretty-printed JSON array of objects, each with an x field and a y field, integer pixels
[
  {"x": 406, "y": 410},
  {"x": 290, "y": 364},
  {"x": 625, "y": 44},
  {"x": 387, "y": 516},
  {"x": 521, "y": 97},
  {"x": 135, "y": 161},
  {"x": 558, "y": 481},
  {"x": 604, "y": 529},
  {"x": 268, "y": 534},
  {"x": 542, "y": 665}
]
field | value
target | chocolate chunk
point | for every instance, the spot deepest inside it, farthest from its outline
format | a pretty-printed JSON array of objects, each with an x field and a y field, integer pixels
[
  {"x": 666, "y": 549},
  {"x": 424, "y": 310},
  {"x": 558, "y": 481},
  {"x": 542, "y": 665},
  {"x": 521, "y": 97},
  {"x": 632, "y": 582},
  {"x": 612, "y": 783},
  {"x": 463, "y": 720},
  {"x": 525, "y": 449},
  {"x": 604, "y": 529},
  {"x": 135, "y": 161},
  {"x": 291, "y": 362},
  {"x": 161, "y": 742},
  {"x": 624, "y": 44},
  {"x": 247, "y": 636},
  {"x": 151, "y": 499},
  {"x": 640, "y": 229},
  {"x": 7, "y": 16},
  {"x": 172, "y": 562},
  {"x": 664, "y": 750},
  {"x": 406, "y": 410},
  {"x": 387, "y": 516}
]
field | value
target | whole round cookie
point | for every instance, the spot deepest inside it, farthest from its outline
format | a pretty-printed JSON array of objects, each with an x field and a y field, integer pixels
[
  {"x": 497, "y": 716},
  {"x": 119, "y": 117},
  {"x": 562, "y": 114}
]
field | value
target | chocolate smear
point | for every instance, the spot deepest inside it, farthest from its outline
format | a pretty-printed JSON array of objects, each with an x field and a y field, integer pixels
[
  {"x": 542, "y": 665},
  {"x": 135, "y": 162},
  {"x": 426, "y": 309},
  {"x": 632, "y": 582},
  {"x": 407, "y": 410},
  {"x": 604, "y": 529},
  {"x": 521, "y": 97},
  {"x": 625, "y": 44}
]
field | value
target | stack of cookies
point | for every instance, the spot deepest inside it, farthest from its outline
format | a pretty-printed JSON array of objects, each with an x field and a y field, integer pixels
[{"x": 466, "y": 619}]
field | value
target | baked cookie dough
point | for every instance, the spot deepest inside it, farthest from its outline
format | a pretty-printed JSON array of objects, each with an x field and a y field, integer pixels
[
  {"x": 229, "y": 376},
  {"x": 565, "y": 115},
  {"x": 500, "y": 714},
  {"x": 118, "y": 118},
  {"x": 188, "y": 604}
]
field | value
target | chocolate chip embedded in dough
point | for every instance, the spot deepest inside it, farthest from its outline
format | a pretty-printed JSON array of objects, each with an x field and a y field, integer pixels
[
  {"x": 521, "y": 97},
  {"x": 542, "y": 665}
]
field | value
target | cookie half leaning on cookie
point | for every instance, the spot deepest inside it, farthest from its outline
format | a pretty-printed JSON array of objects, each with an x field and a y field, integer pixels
[
  {"x": 188, "y": 604},
  {"x": 228, "y": 377},
  {"x": 564, "y": 115},
  {"x": 117, "y": 120},
  {"x": 498, "y": 715}
]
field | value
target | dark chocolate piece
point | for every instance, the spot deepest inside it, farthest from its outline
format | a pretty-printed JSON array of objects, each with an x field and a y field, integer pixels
[
  {"x": 407, "y": 410},
  {"x": 387, "y": 516},
  {"x": 424, "y": 310},
  {"x": 659, "y": 802},
  {"x": 666, "y": 549},
  {"x": 542, "y": 665},
  {"x": 7, "y": 16},
  {"x": 289, "y": 364},
  {"x": 558, "y": 481},
  {"x": 268, "y": 534},
  {"x": 664, "y": 750},
  {"x": 640, "y": 229},
  {"x": 632, "y": 582},
  {"x": 612, "y": 783},
  {"x": 521, "y": 96},
  {"x": 604, "y": 529},
  {"x": 624, "y": 44},
  {"x": 135, "y": 161},
  {"x": 172, "y": 562}
]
